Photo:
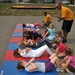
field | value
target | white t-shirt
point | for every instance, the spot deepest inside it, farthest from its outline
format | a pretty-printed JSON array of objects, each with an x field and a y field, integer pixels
[
  {"x": 30, "y": 53},
  {"x": 40, "y": 67}
]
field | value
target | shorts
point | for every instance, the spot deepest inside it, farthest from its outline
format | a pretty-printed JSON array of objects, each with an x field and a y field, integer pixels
[
  {"x": 48, "y": 65},
  {"x": 66, "y": 26},
  {"x": 71, "y": 68}
]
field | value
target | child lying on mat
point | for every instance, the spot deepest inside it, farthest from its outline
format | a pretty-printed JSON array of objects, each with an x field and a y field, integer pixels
[
  {"x": 31, "y": 34},
  {"x": 28, "y": 25},
  {"x": 32, "y": 66},
  {"x": 31, "y": 43},
  {"x": 29, "y": 52},
  {"x": 31, "y": 25}
]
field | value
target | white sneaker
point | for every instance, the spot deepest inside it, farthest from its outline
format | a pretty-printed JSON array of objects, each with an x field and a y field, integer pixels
[
  {"x": 59, "y": 70},
  {"x": 70, "y": 73}
]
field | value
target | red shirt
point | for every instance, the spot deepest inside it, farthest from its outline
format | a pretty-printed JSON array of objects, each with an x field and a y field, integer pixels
[{"x": 61, "y": 47}]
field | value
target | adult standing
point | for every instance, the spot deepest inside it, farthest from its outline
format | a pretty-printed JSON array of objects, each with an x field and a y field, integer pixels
[{"x": 67, "y": 16}]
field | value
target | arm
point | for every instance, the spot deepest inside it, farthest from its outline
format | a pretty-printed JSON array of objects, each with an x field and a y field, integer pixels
[
  {"x": 33, "y": 67},
  {"x": 65, "y": 58},
  {"x": 57, "y": 50},
  {"x": 30, "y": 61},
  {"x": 45, "y": 34},
  {"x": 59, "y": 17},
  {"x": 67, "y": 63},
  {"x": 26, "y": 50},
  {"x": 31, "y": 42}
]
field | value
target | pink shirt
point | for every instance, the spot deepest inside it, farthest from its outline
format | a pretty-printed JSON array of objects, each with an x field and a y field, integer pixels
[
  {"x": 72, "y": 63},
  {"x": 62, "y": 47}
]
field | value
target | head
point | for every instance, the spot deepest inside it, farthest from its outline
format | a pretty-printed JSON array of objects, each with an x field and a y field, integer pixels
[
  {"x": 58, "y": 6},
  {"x": 58, "y": 33},
  {"x": 23, "y": 25},
  {"x": 45, "y": 13},
  {"x": 21, "y": 43},
  {"x": 56, "y": 41},
  {"x": 51, "y": 26},
  {"x": 69, "y": 50},
  {"x": 25, "y": 32},
  {"x": 16, "y": 53},
  {"x": 21, "y": 65}
]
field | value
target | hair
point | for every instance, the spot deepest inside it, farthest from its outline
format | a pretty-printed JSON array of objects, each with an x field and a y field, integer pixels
[
  {"x": 69, "y": 50},
  {"x": 59, "y": 32},
  {"x": 21, "y": 44},
  {"x": 16, "y": 54},
  {"x": 23, "y": 25},
  {"x": 19, "y": 66},
  {"x": 56, "y": 40},
  {"x": 58, "y": 5},
  {"x": 45, "y": 12},
  {"x": 25, "y": 32},
  {"x": 51, "y": 24}
]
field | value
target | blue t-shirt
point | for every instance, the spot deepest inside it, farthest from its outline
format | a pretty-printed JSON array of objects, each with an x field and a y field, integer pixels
[{"x": 52, "y": 33}]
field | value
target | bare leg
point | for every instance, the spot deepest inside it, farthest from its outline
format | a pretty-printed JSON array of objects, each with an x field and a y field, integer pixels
[
  {"x": 55, "y": 60},
  {"x": 63, "y": 65},
  {"x": 52, "y": 56},
  {"x": 65, "y": 35}
]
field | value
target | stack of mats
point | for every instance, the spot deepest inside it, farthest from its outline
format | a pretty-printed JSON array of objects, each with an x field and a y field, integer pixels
[{"x": 10, "y": 62}]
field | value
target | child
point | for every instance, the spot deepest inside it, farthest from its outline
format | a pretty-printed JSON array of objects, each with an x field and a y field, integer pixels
[
  {"x": 32, "y": 66},
  {"x": 28, "y": 52},
  {"x": 31, "y": 43},
  {"x": 31, "y": 34},
  {"x": 51, "y": 31},
  {"x": 60, "y": 50},
  {"x": 52, "y": 44},
  {"x": 69, "y": 66},
  {"x": 59, "y": 36}
]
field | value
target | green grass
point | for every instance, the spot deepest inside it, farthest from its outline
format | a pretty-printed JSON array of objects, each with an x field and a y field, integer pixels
[{"x": 6, "y": 10}]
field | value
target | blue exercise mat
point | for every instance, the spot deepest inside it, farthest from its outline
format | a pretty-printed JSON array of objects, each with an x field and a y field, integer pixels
[
  {"x": 12, "y": 46},
  {"x": 18, "y": 27},
  {"x": 16, "y": 34},
  {"x": 9, "y": 68}
]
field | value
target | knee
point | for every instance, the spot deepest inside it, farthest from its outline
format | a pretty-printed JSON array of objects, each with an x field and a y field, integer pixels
[{"x": 63, "y": 65}]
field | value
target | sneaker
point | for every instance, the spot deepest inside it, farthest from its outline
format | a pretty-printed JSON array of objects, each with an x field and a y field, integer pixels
[
  {"x": 59, "y": 70},
  {"x": 70, "y": 73}
]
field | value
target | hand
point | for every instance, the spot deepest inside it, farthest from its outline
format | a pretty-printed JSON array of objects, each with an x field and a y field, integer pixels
[
  {"x": 42, "y": 21},
  {"x": 59, "y": 20},
  {"x": 55, "y": 15}
]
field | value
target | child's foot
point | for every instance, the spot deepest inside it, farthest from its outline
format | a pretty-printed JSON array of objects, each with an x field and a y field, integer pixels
[
  {"x": 70, "y": 73},
  {"x": 59, "y": 70}
]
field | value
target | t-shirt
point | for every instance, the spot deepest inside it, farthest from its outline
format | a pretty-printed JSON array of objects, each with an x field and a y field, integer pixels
[
  {"x": 52, "y": 33},
  {"x": 62, "y": 47},
  {"x": 40, "y": 67},
  {"x": 67, "y": 14},
  {"x": 48, "y": 19},
  {"x": 72, "y": 63},
  {"x": 30, "y": 53}
]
